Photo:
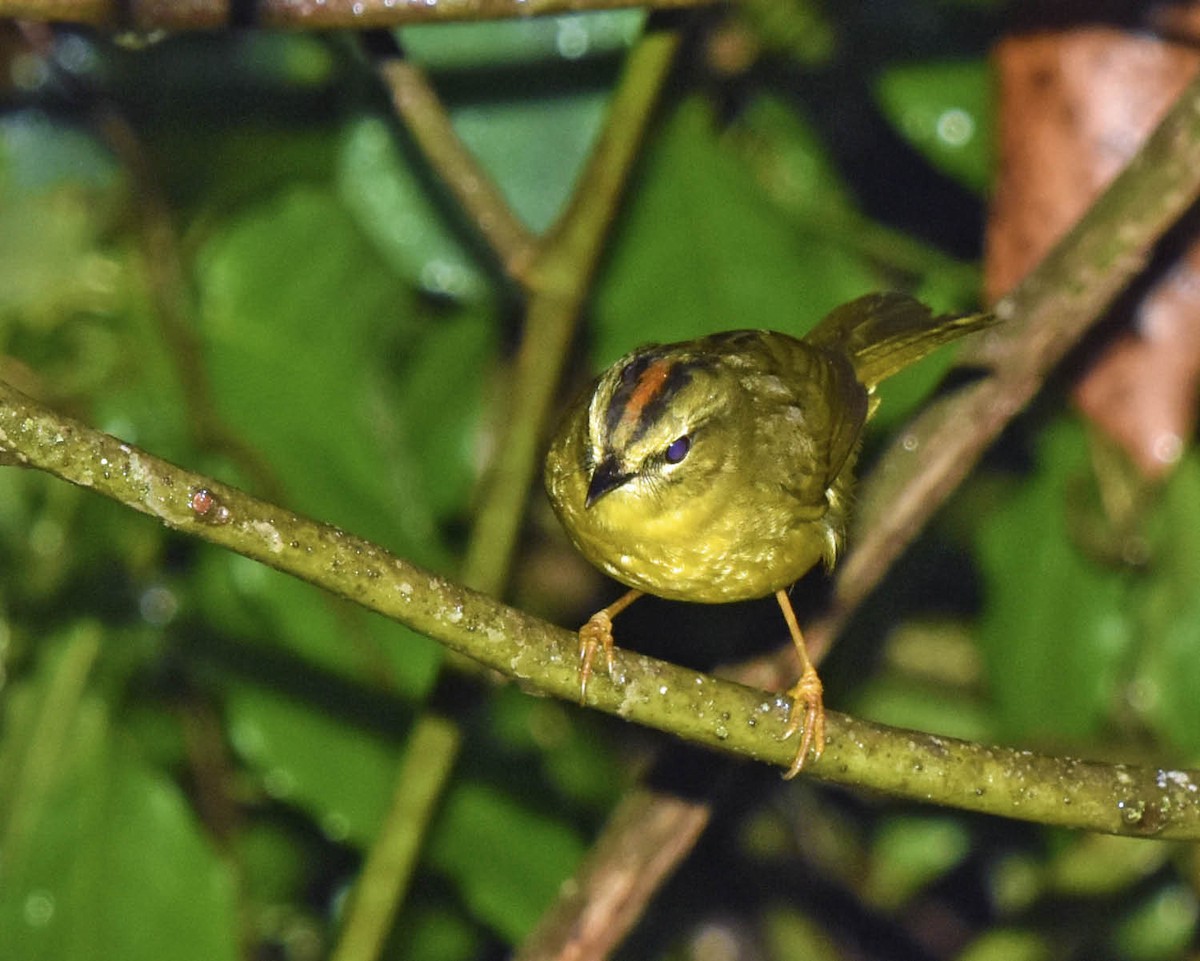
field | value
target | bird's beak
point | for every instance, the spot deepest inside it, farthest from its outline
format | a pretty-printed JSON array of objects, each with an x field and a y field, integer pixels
[{"x": 607, "y": 476}]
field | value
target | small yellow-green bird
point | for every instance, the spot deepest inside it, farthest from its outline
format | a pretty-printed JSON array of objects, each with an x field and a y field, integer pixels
[{"x": 719, "y": 469}]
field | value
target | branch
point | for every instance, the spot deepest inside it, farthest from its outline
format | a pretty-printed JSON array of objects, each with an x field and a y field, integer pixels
[
  {"x": 426, "y": 119},
  {"x": 557, "y": 283},
  {"x": 1113, "y": 798},
  {"x": 555, "y": 273},
  {"x": 645, "y": 837},
  {"x": 1045, "y": 316},
  {"x": 170, "y": 15}
]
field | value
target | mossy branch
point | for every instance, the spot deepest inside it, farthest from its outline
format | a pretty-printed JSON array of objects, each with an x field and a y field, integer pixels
[{"x": 1114, "y": 798}]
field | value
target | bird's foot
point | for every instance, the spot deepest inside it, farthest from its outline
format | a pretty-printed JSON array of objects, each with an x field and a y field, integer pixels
[
  {"x": 807, "y": 693},
  {"x": 595, "y": 635}
]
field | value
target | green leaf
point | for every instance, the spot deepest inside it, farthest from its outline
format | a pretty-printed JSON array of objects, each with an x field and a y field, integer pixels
[
  {"x": 60, "y": 191},
  {"x": 702, "y": 249},
  {"x": 1099, "y": 866},
  {"x": 1168, "y": 673},
  {"x": 291, "y": 350},
  {"x": 303, "y": 362},
  {"x": 910, "y": 852},
  {"x": 1162, "y": 927},
  {"x": 511, "y": 140},
  {"x": 566, "y": 751},
  {"x": 389, "y": 196},
  {"x": 435, "y": 934},
  {"x": 774, "y": 142},
  {"x": 788, "y": 160},
  {"x": 533, "y": 130},
  {"x": 508, "y": 861},
  {"x": 801, "y": 29},
  {"x": 365, "y": 408},
  {"x": 944, "y": 110},
  {"x": 103, "y": 858},
  {"x": 791, "y": 934},
  {"x": 1057, "y": 630},
  {"x": 900, "y": 702},
  {"x": 1009, "y": 944},
  {"x": 339, "y": 772},
  {"x": 438, "y": 407},
  {"x": 276, "y": 857}
]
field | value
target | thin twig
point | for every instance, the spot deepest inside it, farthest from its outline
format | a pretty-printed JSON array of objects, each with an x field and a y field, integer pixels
[
  {"x": 557, "y": 284},
  {"x": 555, "y": 295},
  {"x": 425, "y": 117}
]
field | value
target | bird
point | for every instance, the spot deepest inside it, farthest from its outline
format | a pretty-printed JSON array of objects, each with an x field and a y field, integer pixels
[{"x": 720, "y": 469}]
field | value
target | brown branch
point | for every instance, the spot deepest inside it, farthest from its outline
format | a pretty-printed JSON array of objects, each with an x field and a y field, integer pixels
[
  {"x": 417, "y": 104},
  {"x": 1045, "y": 316},
  {"x": 173, "y": 16},
  {"x": 646, "y": 837}
]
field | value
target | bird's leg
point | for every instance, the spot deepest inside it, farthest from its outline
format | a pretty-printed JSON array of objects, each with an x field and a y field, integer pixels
[
  {"x": 597, "y": 633},
  {"x": 807, "y": 691}
]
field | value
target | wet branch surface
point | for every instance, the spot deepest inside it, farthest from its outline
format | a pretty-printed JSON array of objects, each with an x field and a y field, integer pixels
[{"x": 721, "y": 714}]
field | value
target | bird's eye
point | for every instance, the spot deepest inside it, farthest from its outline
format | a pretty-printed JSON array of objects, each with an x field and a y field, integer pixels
[{"x": 678, "y": 449}]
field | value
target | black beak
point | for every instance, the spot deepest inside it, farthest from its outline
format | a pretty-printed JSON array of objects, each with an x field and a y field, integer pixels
[{"x": 607, "y": 476}]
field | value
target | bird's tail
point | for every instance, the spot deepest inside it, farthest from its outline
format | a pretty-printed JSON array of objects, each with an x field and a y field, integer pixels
[{"x": 884, "y": 333}]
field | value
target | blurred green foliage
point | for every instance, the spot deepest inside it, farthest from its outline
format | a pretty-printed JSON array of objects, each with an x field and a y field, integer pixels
[{"x": 197, "y": 751}]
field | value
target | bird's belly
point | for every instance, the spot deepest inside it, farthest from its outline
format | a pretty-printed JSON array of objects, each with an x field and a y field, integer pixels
[{"x": 712, "y": 559}]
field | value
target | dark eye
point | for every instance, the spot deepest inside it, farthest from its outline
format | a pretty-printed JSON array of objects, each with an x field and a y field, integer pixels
[{"x": 678, "y": 449}]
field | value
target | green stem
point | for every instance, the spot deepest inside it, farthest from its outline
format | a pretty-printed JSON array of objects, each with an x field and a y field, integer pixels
[
  {"x": 572, "y": 252},
  {"x": 433, "y": 747},
  {"x": 558, "y": 283},
  {"x": 44, "y": 742}
]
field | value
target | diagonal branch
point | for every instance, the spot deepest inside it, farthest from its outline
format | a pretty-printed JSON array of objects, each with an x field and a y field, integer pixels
[
  {"x": 1114, "y": 798},
  {"x": 1045, "y": 316},
  {"x": 418, "y": 106},
  {"x": 555, "y": 273}
]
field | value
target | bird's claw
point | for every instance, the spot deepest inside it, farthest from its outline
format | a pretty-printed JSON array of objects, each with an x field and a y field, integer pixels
[
  {"x": 596, "y": 633},
  {"x": 809, "y": 693}
]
